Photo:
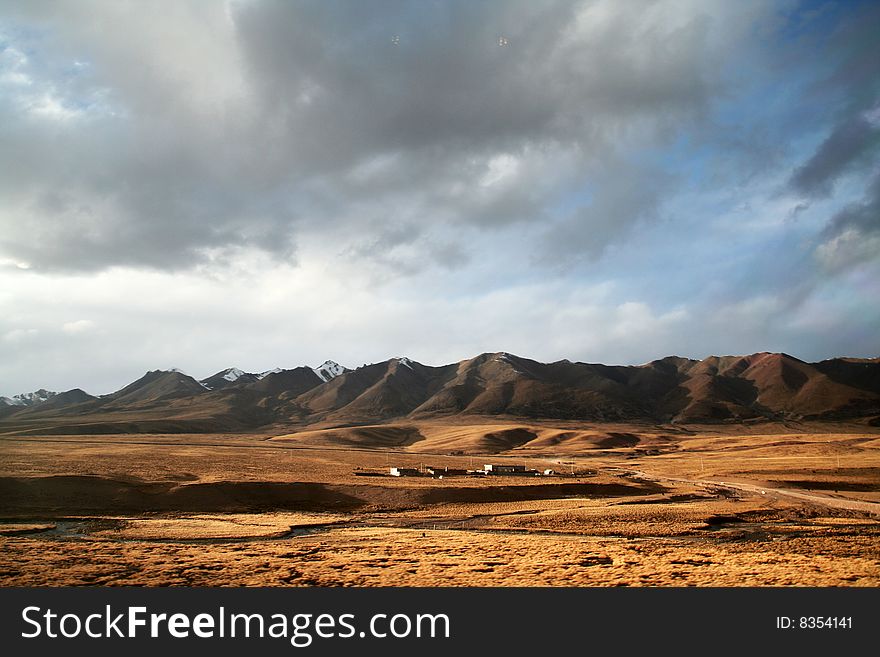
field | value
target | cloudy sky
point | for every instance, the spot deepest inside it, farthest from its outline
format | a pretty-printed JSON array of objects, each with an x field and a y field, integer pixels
[{"x": 256, "y": 184}]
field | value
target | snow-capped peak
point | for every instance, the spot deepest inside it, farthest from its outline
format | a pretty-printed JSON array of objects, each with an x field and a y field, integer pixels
[
  {"x": 263, "y": 375},
  {"x": 29, "y": 398},
  {"x": 329, "y": 370},
  {"x": 232, "y": 374},
  {"x": 405, "y": 362}
]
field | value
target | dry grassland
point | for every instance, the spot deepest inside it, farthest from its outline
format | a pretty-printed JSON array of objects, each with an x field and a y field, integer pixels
[{"x": 627, "y": 507}]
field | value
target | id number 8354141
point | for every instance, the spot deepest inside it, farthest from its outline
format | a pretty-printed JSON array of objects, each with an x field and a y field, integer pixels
[{"x": 814, "y": 622}]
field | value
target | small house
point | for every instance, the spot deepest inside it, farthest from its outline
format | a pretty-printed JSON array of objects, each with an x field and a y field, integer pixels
[
  {"x": 445, "y": 472},
  {"x": 506, "y": 469},
  {"x": 405, "y": 472}
]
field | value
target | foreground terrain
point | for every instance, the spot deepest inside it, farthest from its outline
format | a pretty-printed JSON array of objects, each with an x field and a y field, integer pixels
[{"x": 763, "y": 505}]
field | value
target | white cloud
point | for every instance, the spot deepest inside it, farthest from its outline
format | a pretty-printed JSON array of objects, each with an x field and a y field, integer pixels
[
  {"x": 78, "y": 326},
  {"x": 52, "y": 108},
  {"x": 848, "y": 247},
  {"x": 286, "y": 316},
  {"x": 19, "y": 334},
  {"x": 500, "y": 169}
]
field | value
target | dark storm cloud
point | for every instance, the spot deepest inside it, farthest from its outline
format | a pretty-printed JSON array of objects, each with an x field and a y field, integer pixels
[
  {"x": 183, "y": 137},
  {"x": 331, "y": 74},
  {"x": 852, "y": 236},
  {"x": 571, "y": 87},
  {"x": 852, "y": 143},
  {"x": 864, "y": 216},
  {"x": 849, "y": 93}
]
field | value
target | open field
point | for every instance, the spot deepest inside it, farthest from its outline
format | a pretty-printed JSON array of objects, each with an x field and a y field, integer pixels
[{"x": 627, "y": 505}]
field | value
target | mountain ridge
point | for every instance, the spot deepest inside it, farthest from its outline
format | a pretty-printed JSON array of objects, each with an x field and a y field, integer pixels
[{"x": 764, "y": 386}]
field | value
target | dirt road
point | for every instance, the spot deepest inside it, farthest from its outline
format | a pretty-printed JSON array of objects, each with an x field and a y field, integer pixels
[{"x": 822, "y": 500}]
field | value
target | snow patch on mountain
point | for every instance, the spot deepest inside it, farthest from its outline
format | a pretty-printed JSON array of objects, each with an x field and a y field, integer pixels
[
  {"x": 29, "y": 398},
  {"x": 329, "y": 370},
  {"x": 233, "y": 373},
  {"x": 263, "y": 375},
  {"x": 504, "y": 357}
]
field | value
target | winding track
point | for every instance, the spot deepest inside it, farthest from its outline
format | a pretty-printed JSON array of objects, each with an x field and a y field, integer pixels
[{"x": 872, "y": 508}]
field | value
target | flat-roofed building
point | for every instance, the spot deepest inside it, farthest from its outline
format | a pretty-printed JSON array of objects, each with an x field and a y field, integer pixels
[
  {"x": 506, "y": 469},
  {"x": 406, "y": 472},
  {"x": 445, "y": 472}
]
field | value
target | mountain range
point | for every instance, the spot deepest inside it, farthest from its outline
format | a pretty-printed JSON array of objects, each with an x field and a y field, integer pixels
[{"x": 754, "y": 388}]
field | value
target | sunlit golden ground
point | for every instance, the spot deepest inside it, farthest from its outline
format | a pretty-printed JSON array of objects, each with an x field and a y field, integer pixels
[{"x": 772, "y": 509}]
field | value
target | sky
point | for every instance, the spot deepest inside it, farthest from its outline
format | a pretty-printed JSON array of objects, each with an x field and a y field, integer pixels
[{"x": 207, "y": 184}]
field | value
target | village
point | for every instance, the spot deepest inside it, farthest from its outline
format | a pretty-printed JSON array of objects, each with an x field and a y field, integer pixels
[{"x": 489, "y": 469}]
